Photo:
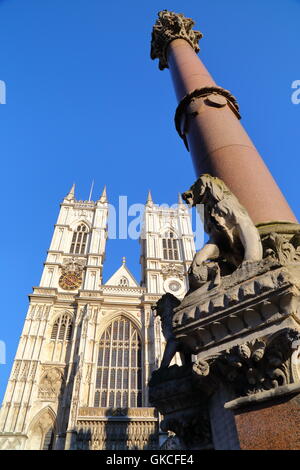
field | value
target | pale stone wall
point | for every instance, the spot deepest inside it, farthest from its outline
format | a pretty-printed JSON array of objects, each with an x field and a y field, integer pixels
[
  {"x": 52, "y": 379},
  {"x": 157, "y": 221}
]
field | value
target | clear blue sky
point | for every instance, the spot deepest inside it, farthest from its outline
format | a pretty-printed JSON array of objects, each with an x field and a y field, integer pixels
[{"x": 84, "y": 101}]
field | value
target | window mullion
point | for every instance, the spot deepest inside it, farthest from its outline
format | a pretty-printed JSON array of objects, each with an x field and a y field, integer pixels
[
  {"x": 129, "y": 368},
  {"x": 102, "y": 365},
  {"x": 123, "y": 362},
  {"x": 109, "y": 364},
  {"x": 66, "y": 329},
  {"x": 123, "y": 346}
]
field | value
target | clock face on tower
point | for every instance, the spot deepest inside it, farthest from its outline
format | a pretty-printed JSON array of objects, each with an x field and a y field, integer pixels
[
  {"x": 70, "y": 281},
  {"x": 174, "y": 286}
]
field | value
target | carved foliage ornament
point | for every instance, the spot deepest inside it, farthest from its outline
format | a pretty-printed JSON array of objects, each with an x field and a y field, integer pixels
[
  {"x": 168, "y": 27},
  {"x": 280, "y": 248},
  {"x": 256, "y": 365},
  {"x": 172, "y": 270}
]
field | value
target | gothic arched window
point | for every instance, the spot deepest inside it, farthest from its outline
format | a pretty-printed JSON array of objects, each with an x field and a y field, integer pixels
[
  {"x": 170, "y": 246},
  {"x": 79, "y": 240},
  {"x": 62, "y": 328},
  {"x": 119, "y": 370}
]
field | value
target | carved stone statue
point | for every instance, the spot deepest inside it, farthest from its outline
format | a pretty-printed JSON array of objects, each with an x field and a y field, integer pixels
[
  {"x": 165, "y": 309},
  {"x": 233, "y": 236}
]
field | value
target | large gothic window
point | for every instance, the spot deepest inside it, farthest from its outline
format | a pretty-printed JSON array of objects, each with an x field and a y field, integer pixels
[
  {"x": 79, "y": 240},
  {"x": 119, "y": 371},
  {"x": 62, "y": 328},
  {"x": 170, "y": 246}
]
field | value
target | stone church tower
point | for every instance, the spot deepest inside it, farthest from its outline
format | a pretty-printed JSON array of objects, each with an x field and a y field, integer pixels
[{"x": 87, "y": 350}]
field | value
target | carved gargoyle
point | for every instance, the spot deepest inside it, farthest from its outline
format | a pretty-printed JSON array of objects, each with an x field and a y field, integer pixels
[
  {"x": 165, "y": 309},
  {"x": 234, "y": 239}
]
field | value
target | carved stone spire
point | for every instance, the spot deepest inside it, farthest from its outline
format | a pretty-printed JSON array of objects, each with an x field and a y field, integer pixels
[
  {"x": 71, "y": 194},
  {"x": 168, "y": 27},
  {"x": 180, "y": 201},
  {"x": 149, "y": 199},
  {"x": 103, "y": 197}
]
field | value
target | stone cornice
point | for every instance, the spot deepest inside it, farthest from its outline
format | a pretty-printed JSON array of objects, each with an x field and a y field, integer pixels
[
  {"x": 122, "y": 290},
  {"x": 62, "y": 225},
  {"x": 238, "y": 311},
  {"x": 263, "y": 396},
  {"x": 150, "y": 298},
  {"x": 44, "y": 291}
]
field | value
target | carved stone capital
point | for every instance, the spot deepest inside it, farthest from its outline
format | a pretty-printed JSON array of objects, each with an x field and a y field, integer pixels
[
  {"x": 259, "y": 365},
  {"x": 281, "y": 247},
  {"x": 168, "y": 27}
]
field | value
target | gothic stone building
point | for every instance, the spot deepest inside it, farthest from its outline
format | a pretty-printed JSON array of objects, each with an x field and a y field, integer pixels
[{"x": 87, "y": 350}]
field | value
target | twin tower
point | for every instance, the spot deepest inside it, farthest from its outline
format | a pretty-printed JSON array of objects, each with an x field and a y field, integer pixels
[{"x": 88, "y": 348}]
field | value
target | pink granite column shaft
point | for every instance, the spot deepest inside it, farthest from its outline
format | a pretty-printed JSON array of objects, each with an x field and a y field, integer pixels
[
  {"x": 209, "y": 122},
  {"x": 220, "y": 146}
]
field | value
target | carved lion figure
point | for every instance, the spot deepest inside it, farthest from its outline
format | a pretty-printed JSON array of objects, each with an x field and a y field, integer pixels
[
  {"x": 165, "y": 309},
  {"x": 233, "y": 236}
]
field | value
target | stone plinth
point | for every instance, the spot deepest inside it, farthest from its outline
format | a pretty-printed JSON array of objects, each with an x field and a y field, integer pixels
[
  {"x": 269, "y": 421},
  {"x": 245, "y": 333},
  {"x": 181, "y": 396}
]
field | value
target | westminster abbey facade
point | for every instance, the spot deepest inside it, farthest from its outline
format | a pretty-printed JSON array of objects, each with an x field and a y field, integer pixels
[{"x": 88, "y": 348}]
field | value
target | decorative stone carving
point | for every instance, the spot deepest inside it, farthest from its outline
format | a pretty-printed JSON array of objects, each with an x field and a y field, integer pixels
[
  {"x": 140, "y": 412},
  {"x": 24, "y": 371},
  {"x": 259, "y": 364},
  {"x": 16, "y": 370},
  {"x": 33, "y": 370},
  {"x": 240, "y": 318},
  {"x": 165, "y": 309},
  {"x": 172, "y": 270},
  {"x": 190, "y": 106},
  {"x": 117, "y": 434},
  {"x": 233, "y": 236},
  {"x": 75, "y": 398},
  {"x": 168, "y": 27},
  {"x": 88, "y": 375},
  {"x": 282, "y": 248},
  {"x": 50, "y": 385},
  {"x": 256, "y": 365}
]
